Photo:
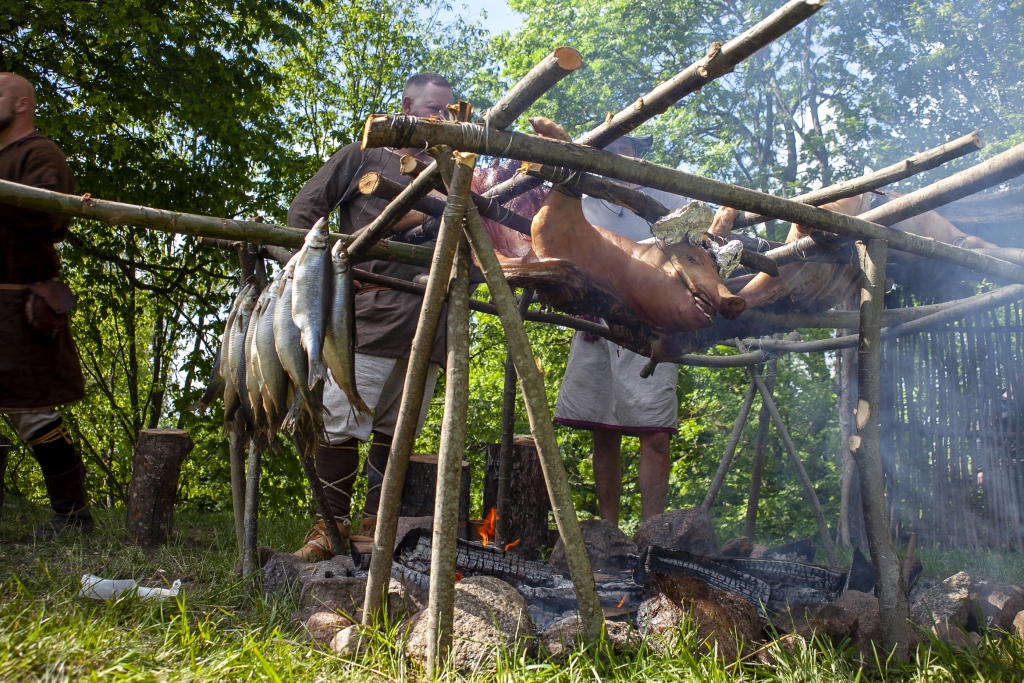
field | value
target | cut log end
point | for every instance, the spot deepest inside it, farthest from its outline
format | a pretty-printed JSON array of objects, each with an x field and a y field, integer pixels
[
  {"x": 368, "y": 183},
  {"x": 567, "y": 57}
]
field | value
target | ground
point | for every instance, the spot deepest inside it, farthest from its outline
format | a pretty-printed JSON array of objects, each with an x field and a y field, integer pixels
[{"x": 219, "y": 630}]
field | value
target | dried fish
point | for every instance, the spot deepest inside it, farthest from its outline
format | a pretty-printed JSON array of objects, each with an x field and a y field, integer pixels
[
  {"x": 340, "y": 342},
  {"x": 289, "y": 351},
  {"x": 311, "y": 297}
]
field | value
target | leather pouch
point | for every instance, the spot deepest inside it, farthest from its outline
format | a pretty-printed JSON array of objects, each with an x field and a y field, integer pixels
[{"x": 47, "y": 305}]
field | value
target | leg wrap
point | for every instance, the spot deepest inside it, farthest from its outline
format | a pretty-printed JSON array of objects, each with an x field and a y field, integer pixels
[
  {"x": 337, "y": 467},
  {"x": 376, "y": 462},
  {"x": 63, "y": 470}
]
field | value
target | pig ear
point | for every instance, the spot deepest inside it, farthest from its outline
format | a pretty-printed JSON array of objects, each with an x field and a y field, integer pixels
[{"x": 547, "y": 128}]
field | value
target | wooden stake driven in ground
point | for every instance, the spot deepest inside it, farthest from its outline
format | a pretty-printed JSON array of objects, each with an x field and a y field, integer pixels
[
  {"x": 866, "y": 447},
  {"x": 250, "y": 560},
  {"x": 391, "y": 131},
  {"x": 508, "y": 425},
  {"x": 539, "y": 413},
  {"x": 413, "y": 389},
  {"x": 901, "y": 170},
  {"x": 760, "y": 451},
  {"x": 730, "y": 448},
  {"x": 794, "y": 458},
  {"x": 441, "y": 604}
]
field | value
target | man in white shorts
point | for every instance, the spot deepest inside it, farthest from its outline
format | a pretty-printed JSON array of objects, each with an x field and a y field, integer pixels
[
  {"x": 385, "y": 323},
  {"x": 602, "y": 390}
]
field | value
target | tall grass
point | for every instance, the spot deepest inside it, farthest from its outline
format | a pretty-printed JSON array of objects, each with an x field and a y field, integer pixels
[{"x": 218, "y": 629}]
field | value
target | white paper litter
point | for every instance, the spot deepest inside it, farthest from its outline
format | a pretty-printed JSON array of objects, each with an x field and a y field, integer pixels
[{"x": 97, "y": 588}]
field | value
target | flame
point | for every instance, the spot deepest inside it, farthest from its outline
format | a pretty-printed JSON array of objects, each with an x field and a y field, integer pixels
[
  {"x": 486, "y": 529},
  {"x": 513, "y": 544},
  {"x": 623, "y": 600},
  {"x": 458, "y": 577}
]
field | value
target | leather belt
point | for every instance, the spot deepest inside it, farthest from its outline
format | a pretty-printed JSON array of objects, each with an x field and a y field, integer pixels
[{"x": 17, "y": 288}]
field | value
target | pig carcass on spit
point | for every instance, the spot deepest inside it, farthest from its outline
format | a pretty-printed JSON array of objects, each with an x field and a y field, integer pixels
[{"x": 645, "y": 291}]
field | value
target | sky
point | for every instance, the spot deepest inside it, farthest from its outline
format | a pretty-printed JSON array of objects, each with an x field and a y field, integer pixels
[{"x": 499, "y": 16}]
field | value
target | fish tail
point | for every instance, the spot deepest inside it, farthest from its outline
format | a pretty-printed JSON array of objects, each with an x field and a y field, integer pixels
[
  {"x": 291, "y": 420},
  {"x": 317, "y": 373},
  {"x": 199, "y": 408}
]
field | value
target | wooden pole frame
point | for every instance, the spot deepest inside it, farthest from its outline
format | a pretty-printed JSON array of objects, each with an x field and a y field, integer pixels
[{"x": 730, "y": 448}]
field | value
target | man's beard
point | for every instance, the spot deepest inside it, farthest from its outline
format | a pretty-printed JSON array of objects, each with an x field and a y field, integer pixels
[{"x": 6, "y": 119}]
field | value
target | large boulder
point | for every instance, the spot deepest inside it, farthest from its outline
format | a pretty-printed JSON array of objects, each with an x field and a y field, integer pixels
[
  {"x": 948, "y": 601},
  {"x": 736, "y": 547},
  {"x": 283, "y": 573},
  {"x": 997, "y": 602},
  {"x": 720, "y": 617},
  {"x": 405, "y": 599},
  {"x": 320, "y": 622},
  {"x": 808, "y": 620},
  {"x": 689, "y": 530},
  {"x": 561, "y": 638},
  {"x": 607, "y": 547},
  {"x": 489, "y": 615},
  {"x": 1018, "y": 625},
  {"x": 344, "y": 593},
  {"x": 869, "y": 623}
]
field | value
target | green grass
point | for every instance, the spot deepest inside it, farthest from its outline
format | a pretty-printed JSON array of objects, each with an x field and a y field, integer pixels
[{"x": 218, "y": 630}]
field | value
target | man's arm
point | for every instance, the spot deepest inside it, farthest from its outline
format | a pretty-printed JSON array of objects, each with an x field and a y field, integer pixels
[
  {"x": 326, "y": 188},
  {"x": 45, "y": 168}
]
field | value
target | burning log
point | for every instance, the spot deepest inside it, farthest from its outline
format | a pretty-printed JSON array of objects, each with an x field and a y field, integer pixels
[
  {"x": 901, "y": 170},
  {"x": 525, "y": 514},
  {"x": 415, "y": 552}
]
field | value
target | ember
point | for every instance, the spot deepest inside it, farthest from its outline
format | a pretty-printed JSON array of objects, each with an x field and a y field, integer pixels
[{"x": 486, "y": 530}]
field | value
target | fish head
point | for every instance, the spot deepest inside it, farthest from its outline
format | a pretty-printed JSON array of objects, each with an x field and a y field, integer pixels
[
  {"x": 710, "y": 296},
  {"x": 318, "y": 236}
]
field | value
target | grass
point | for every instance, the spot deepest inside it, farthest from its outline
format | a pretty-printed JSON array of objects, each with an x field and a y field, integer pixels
[{"x": 218, "y": 630}]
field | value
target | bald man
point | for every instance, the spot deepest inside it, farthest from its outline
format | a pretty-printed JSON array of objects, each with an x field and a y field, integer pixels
[{"x": 39, "y": 368}]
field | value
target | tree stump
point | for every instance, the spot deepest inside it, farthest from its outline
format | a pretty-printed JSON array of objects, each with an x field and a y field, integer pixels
[
  {"x": 156, "y": 467},
  {"x": 420, "y": 485},
  {"x": 528, "y": 497}
]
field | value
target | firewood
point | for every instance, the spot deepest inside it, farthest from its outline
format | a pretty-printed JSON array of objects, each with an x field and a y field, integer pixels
[{"x": 156, "y": 467}]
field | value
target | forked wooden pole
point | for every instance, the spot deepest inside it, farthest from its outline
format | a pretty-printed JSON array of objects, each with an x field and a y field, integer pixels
[
  {"x": 250, "y": 560},
  {"x": 539, "y": 413},
  {"x": 866, "y": 448},
  {"x": 236, "y": 455},
  {"x": 414, "y": 387},
  {"x": 794, "y": 457},
  {"x": 730, "y": 448},
  {"x": 441, "y": 603},
  {"x": 760, "y": 450}
]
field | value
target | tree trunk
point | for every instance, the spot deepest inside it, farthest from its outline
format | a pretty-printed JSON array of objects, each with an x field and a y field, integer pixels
[
  {"x": 525, "y": 519},
  {"x": 866, "y": 448},
  {"x": 419, "y": 496},
  {"x": 236, "y": 456},
  {"x": 851, "y": 515},
  {"x": 250, "y": 559},
  {"x": 156, "y": 467}
]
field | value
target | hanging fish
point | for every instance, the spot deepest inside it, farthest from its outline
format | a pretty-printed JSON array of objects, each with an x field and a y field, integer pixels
[
  {"x": 289, "y": 351},
  {"x": 251, "y": 377},
  {"x": 237, "y": 349},
  {"x": 275, "y": 380},
  {"x": 231, "y": 400},
  {"x": 214, "y": 389},
  {"x": 311, "y": 297},
  {"x": 340, "y": 341}
]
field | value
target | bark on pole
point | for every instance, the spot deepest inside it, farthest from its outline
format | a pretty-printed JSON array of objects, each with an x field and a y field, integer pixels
[
  {"x": 730, "y": 448},
  {"x": 901, "y": 170},
  {"x": 545, "y": 75},
  {"x": 760, "y": 451},
  {"x": 794, "y": 457},
  {"x": 402, "y": 131},
  {"x": 406, "y": 200},
  {"x": 539, "y": 413},
  {"x": 250, "y": 558},
  {"x": 508, "y": 428},
  {"x": 866, "y": 448},
  {"x": 156, "y": 467},
  {"x": 236, "y": 455},
  {"x": 413, "y": 390},
  {"x": 441, "y": 603}
]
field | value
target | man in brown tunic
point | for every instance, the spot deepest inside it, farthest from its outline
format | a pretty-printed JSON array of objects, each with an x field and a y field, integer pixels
[
  {"x": 38, "y": 371},
  {"x": 385, "y": 321}
]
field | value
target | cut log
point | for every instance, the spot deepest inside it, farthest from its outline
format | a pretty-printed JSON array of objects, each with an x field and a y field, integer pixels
[
  {"x": 526, "y": 519},
  {"x": 156, "y": 467},
  {"x": 419, "y": 494}
]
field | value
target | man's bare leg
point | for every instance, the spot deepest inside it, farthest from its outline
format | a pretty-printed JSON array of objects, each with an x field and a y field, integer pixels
[
  {"x": 655, "y": 466},
  {"x": 608, "y": 472}
]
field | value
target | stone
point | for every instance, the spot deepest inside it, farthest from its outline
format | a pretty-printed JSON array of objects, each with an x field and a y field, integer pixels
[
  {"x": 280, "y": 575},
  {"x": 689, "y": 530},
  {"x": 997, "y": 602},
  {"x": 348, "y": 641},
  {"x": 869, "y": 622},
  {"x": 607, "y": 547},
  {"x": 720, "y": 616},
  {"x": 561, "y": 638},
  {"x": 336, "y": 567},
  {"x": 489, "y": 614},
  {"x": 758, "y": 551},
  {"x": 405, "y": 599},
  {"x": 814, "y": 619},
  {"x": 1018, "y": 624},
  {"x": 947, "y": 601},
  {"x": 345, "y": 592},
  {"x": 320, "y": 622},
  {"x": 955, "y": 635},
  {"x": 736, "y": 547}
]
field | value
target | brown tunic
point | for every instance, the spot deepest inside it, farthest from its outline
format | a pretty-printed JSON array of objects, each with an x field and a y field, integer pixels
[
  {"x": 385, "y": 319},
  {"x": 36, "y": 372}
]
